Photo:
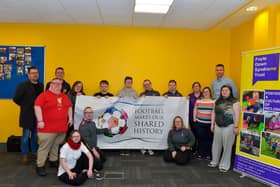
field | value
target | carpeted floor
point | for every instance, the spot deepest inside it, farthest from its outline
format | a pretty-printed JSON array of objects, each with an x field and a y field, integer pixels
[{"x": 132, "y": 170}]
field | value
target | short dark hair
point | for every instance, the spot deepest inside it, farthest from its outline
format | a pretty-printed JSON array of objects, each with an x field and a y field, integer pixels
[
  {"x": 104, "y": 82},
  {"x": 172, "y": 81},
  {"x": 220, "y": 65},
  {"x": 31, "y": 68},
  {"x": 147, "y": 80},
  {"x": 59, "y": 68},
  {"x": 128, "y": 78}
]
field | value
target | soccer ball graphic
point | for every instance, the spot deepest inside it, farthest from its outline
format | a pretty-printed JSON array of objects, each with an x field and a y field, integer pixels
[{"x": 114, "y": 119}]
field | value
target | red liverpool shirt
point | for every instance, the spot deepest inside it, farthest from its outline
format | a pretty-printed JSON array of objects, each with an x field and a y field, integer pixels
[{"x": 54, "y": 110}]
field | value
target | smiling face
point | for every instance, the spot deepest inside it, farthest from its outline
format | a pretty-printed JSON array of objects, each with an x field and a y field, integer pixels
[
  {"x": 147, "y": 85},
  {"x": 172, "y": 87},
  {"x": 76, "y": 137},
  {"x": 56, "y": 86},
  {"x": 128, "y": 83},
  {"x": 78, "y": 87},
  {"x": 88, "y": 114},
  {"x": 104, "y": 88},
  {"x": 33, "y": 75},
  {"x": 59, "y": 73},
  {"x": 196, "y": 88},
  {"x": 178, "y": 123},
  {"x": 219, "y": 72},
  {"x": 225, "y": 92},
  {"x": 206, "y": 94}
]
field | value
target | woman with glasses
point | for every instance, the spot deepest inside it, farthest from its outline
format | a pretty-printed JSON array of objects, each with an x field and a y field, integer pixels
[
  {"x": 89, "y": 133},
  {"x": 204, "y": 117},
  {"x": 75, "y": 161}
]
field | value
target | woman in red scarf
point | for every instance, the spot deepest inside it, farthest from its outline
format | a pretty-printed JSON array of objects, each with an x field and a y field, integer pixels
[{"x": 76, "y": 162}]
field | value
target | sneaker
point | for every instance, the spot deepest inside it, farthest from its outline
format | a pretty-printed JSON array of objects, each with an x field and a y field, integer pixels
[
  {"x": 212, "y": 165},
  {"x": 199, "y": 157},
  {"x": 41, "y": 171},
  {"x": 223, "y": 170},
  {"x": 143, "y": 151},
  {"x": 53, "y": 164},
  {"x": 151, "y": 152},
  {"x": 98, "y": 175}
]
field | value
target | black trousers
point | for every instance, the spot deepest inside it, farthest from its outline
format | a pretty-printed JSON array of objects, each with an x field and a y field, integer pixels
[
  {"x": 98, "y": 163},
  {"x": 193, "y": 129},
  {"x": 205, "y": 139},
  {"x": 82, "y": 163},
  {"x": 181, "y": 158}
]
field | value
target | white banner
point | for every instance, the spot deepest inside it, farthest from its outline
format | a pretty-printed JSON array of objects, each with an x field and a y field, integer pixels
[{"x": 141, "y": 123}]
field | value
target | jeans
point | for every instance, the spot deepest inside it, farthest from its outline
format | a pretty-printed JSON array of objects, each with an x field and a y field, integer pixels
[{"x": 24, "y": 145}]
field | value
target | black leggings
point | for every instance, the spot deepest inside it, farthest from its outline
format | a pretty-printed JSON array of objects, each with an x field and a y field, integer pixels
[
  {"x": 181, "y": 158},
  {"x": 82, "y": 164}
]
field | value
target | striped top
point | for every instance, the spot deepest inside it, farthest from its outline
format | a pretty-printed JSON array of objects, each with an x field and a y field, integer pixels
[{"x": 204, "y": 110}]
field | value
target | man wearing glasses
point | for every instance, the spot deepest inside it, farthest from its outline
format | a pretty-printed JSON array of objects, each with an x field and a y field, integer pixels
[
  {"x": 25, "y": 96},
  {"x": 53, "y": 111}
]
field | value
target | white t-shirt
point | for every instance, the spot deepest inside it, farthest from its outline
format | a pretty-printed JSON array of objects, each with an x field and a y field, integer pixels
[{"x": 71, "y": 156}]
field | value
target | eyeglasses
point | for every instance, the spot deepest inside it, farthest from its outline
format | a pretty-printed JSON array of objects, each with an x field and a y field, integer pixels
[
  {"x": 56, "y": 83},
  {"x": 88, "y": 112},
  {"x": 76, "y": 136}
]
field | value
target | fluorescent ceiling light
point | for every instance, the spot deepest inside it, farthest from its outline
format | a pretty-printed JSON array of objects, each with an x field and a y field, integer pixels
[
  {"x": 154, "y": 2},
  {"x": 251, "y": 8},
  {"x": 152, "y": 6},
  {"x": 158, "y": 9}
]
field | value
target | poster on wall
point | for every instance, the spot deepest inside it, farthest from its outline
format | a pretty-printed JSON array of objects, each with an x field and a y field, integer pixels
[
  {"x": 14, "y": 63},
  {"x": 258, "y": 145}
]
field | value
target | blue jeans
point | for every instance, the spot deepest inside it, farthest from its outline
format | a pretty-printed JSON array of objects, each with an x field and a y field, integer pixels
[{"x": 24, "y": 146}]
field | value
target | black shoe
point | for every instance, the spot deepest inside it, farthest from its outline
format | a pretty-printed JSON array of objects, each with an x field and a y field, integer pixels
[
  {"x": 41, "y": 171},
  {"x": 53, "y": 164},
  {"x": 99, "y": 176}
]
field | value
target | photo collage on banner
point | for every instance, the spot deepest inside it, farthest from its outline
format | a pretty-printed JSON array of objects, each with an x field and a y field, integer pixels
[
  {"x": 252, "y": 121},
  {"x": 14, "y": 57},
  {"x": 260, "y": 132}
]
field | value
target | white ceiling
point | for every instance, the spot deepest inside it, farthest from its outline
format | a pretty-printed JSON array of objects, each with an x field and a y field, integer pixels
[{"x": 192, "y": 14}]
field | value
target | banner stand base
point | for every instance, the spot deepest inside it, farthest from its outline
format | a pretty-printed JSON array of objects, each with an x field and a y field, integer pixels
[{"x": 243, "y": 175}]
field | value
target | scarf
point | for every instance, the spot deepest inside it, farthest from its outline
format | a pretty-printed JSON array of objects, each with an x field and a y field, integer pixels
[{"x": 74, "y": 145}]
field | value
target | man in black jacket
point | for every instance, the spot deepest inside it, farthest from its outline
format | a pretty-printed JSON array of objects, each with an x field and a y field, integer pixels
[{"x": 25, "y": 96}]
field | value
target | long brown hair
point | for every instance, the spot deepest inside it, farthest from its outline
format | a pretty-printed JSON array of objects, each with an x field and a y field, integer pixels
[
  {"x": 72, "y": 91},
  {"x": 178, "y": 117}
]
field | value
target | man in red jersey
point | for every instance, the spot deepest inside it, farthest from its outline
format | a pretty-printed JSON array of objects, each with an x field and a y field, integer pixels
[{"x": 53, "y": 111}]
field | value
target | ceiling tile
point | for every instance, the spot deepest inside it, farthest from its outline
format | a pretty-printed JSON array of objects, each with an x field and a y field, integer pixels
[{"x": 116, "y": 12}]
